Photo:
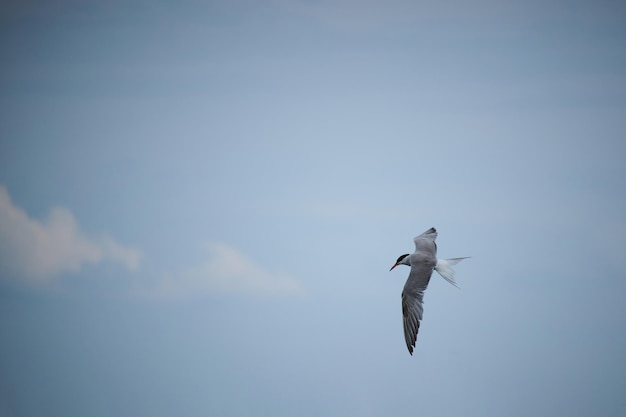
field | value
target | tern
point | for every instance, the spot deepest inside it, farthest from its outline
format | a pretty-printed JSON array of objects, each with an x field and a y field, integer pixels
[{"x": 422, "y": 263}]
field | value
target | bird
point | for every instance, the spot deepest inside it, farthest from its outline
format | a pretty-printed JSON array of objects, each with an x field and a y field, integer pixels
[{"x": 422, "y": 263}]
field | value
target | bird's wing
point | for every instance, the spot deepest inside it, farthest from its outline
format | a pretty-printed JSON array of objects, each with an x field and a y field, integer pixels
[
  {"x": 426, "y": 242},
  {"x": 412, "y": 301}
]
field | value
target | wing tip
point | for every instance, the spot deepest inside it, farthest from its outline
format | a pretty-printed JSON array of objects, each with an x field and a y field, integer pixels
[
  {"x": 411, "y": 338},
  {"x": 429, "y": 234}
]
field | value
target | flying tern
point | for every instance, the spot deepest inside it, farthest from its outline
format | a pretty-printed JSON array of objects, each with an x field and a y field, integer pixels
[{"x": 422, "y": 263}]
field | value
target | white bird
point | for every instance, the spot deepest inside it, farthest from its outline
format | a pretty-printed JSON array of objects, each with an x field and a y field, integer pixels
[{"x": 422, "y": 263}]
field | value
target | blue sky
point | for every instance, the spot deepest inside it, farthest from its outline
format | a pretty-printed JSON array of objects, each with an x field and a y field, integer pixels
[{"x": 200, "y": 203}]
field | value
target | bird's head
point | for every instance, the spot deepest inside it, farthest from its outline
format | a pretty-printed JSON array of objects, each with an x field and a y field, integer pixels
[{"x": 402, "y": 260}]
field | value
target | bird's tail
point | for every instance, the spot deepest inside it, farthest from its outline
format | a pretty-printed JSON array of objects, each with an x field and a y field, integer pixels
[{"x": 444, "y": 268}]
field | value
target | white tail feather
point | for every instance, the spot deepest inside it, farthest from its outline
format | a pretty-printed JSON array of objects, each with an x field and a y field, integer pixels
[{"x": 444, "y": 268}]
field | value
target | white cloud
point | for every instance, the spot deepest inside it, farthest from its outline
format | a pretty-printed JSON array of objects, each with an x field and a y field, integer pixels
[
  {"x": 226, "y": 270},
  {"x": 35, "y": 252}
]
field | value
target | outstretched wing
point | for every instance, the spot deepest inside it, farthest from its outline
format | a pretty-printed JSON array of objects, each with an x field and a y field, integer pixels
[
  {"x": 426, "y": 242},
  {"x": 413, "y": 299}
]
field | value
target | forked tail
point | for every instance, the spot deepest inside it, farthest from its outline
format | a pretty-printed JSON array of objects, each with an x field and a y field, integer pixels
[{"x": 444, "y": 268}]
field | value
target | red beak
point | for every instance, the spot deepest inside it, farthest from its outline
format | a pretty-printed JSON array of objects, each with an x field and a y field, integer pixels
[{"x": 394, "y": 266}]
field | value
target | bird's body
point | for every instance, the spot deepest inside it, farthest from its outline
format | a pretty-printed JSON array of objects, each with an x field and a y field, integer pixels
[{"x": 422, "y": 262}]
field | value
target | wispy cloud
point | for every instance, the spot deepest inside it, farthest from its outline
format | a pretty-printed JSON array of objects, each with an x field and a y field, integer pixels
[
  {"x": 34, "y": 252},
  {"x": 226, "y": 271}
]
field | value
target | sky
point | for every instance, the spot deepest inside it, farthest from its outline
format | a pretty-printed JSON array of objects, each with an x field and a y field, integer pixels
[{"x": 200, "y": 202}]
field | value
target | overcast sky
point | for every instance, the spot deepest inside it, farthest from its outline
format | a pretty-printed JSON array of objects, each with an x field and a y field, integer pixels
[{"x": 200, "y": 202}]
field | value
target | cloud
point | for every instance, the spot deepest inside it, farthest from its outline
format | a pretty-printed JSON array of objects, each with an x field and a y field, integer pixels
[
  {"x": 226, "y": 271},
  {"x": 35, "y": 252}
]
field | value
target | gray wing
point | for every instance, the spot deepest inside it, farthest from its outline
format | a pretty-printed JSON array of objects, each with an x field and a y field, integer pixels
[
  {"x": 412, "y": 300},
  {"x": 426, "y": 242}
]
